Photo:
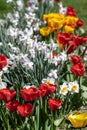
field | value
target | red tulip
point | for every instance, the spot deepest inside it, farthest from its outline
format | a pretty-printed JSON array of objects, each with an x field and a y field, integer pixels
[
  {"x": 30, "y": 94},
  {"x": 71, "y": 46},
  {"x": 57, "y": 0},
  {"x": 63, "y": 38},
  {"x": 12, "y": 105},
  {"x": 3, "y": 61},
  {"x": 49, "y": 88},
  {"x": 54, "y": 104},
  {"x": 6, "y": 94},
  {"x": 75, "y": 59},
  {"x": 25, "y": 109},
  {"x": 70, "y": 11},
  {"x": 78, "y": 69},
  {"x": 79, "y": 23},
  {"x": 78, "y": 40}
]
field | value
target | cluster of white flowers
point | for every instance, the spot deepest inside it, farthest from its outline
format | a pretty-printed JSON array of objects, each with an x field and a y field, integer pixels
[
  {"x": 72, "y": 87},
  {"x": 52, "y": 76},
  {"x": 23, "y": 41}
]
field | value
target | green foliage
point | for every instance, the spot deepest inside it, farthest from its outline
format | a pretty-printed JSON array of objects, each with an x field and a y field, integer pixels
[
  {"x": 4, "y": 8},
  {"x": 80, "y": 7}
]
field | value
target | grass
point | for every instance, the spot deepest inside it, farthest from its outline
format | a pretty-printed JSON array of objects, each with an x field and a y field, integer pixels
[{"x": 4, "y": 8}]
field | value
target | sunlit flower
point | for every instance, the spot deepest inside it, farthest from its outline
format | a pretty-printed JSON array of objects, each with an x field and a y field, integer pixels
[
  {"x": 53, "y": 74},
  {"x": 78, "y": 119},
  {"x": 63, "y": 89},
  {"x": 28, "y": 65},
  {"x": 68, "y": 29},
  {"x": 73, "y": 87},
  {"x": 45, "y": 31},
  {"x": 48, "y": 80},
  {"x": 71, "y": 20}
]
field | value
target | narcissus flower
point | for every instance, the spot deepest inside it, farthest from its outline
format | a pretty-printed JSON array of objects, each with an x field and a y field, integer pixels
[
  {"x": 54, "y": 104},
  {"x": 25, "y": 109},
  {"x": 63, "y": 89},
  {"x": 73, "y": 87},
  {"x": 6, "y": 94},
  {"x": 3, "y": 61}
]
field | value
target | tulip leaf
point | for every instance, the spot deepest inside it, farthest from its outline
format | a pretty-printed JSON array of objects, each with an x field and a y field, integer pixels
[
  {"x": 57, "y": 122},
  {"x": 84, "y": 88}
]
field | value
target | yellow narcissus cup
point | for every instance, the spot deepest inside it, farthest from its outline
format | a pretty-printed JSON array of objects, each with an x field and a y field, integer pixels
[{"x": 78, "y": 119}]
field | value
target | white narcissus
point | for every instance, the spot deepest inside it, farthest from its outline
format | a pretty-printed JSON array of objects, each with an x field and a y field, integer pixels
[
  {"x": 63, "y": 89},
  {"x": 73, "y": 87}
]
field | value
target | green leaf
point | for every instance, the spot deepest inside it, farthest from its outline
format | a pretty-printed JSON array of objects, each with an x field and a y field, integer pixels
[
  {"x": 84, "y": 88},
  {"x": 84, "y": 95},
  {"x": 57, "y": 122}
]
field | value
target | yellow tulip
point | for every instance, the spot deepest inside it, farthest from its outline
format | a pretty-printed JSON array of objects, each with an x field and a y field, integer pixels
[
  {"x": 46, "y": 17},
  {"x": 55, "y": 23},
  {"x": 78, "y": 119},
  {"x": 71, "y": 20},
  {"x": 68, "y": 29},
  {"x": 45, "y": 31}
]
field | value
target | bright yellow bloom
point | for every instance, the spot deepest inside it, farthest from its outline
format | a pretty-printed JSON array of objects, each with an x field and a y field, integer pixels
[
  {"x": 56, "y": 23},
  {"x": 68, "y": 29},
  {"x": 46, "y": 17},
  {"x": 78, "y": 119},
  {"x": 45, "y": 31},
  {"x": 71, "y": 20}
]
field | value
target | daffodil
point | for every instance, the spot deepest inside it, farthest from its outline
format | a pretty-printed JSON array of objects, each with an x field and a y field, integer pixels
[
  {"x": 73, "y": 87},
  {"x": 64, "y": 89}
]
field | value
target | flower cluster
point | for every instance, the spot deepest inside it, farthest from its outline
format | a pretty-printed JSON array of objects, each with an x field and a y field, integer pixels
[
  {"x": 41, "y": 78},
  {"x": 56, "y": 21}
]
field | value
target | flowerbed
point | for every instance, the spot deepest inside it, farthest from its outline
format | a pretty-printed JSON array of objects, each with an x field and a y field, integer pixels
[{"x": 42, "y": 67}]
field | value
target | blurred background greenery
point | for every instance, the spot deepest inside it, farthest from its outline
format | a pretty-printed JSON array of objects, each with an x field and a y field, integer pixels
[{"x": 79, "y": 5}]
